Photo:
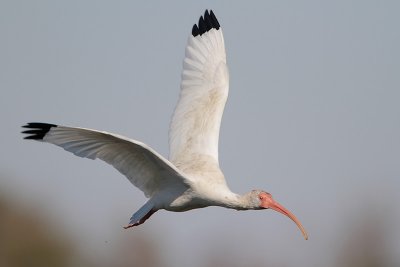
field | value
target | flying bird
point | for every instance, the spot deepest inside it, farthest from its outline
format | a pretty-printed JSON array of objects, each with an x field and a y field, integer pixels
[{"x": 191, "y": 178}]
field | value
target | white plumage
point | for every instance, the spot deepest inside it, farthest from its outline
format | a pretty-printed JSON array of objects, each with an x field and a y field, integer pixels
[
  {"x": 204, "y": 90},
  {"x": 144, "y": 167},
  {"x": 191, "y": 178}
]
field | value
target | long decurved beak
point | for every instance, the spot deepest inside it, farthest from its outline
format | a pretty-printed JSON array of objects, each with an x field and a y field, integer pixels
[{"x": 272, "y": 204}]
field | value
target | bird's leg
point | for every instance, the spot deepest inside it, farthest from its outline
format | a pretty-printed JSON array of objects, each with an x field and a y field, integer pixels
[{"x": 141, "y": 220}]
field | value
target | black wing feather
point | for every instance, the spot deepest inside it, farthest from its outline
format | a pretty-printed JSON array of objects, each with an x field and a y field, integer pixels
[
  {"x": 206, "y": 23},
  {"x": 37, "y": 130}
]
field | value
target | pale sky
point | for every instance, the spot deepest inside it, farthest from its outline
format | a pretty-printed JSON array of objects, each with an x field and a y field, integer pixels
[{"x": 313, "y": 117}]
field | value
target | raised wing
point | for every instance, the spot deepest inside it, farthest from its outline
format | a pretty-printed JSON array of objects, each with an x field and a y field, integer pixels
[
  {"x": 143, "y": 167},
  {"x": 194, "y": 129}
]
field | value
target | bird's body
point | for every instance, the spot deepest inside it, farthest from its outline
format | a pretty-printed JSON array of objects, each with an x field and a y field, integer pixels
[{"x": 191, "y": 178}]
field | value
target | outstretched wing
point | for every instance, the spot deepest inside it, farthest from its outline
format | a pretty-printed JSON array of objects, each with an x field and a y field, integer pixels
[
  {"x": 194, "y": 129},
  {"x": 143, "y": 167}
]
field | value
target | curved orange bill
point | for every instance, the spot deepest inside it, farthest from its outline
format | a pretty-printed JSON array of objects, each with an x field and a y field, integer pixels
[{"x": 272, "y": 204}]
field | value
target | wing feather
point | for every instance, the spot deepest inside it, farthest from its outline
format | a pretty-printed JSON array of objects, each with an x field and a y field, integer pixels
[
  {"x": 144, "y": 167},
  {"x": 195, "y": 125}
]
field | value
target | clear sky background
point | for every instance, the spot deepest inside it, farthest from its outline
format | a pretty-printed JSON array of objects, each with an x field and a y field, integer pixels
[{"x": 313, "y": 117}]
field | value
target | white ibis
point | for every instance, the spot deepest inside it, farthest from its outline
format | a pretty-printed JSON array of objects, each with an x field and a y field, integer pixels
[{"x": 191, "y": 178}]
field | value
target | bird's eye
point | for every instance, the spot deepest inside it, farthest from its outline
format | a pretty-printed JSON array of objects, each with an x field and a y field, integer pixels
[{"x": 261, "y": 197}]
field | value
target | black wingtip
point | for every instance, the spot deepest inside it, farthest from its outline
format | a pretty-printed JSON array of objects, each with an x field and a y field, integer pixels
[
  {"x": 206, "y": 22},
  {"x": 195, "y": 30},
  {"x": 214, "y": 20},
  {"x": 37, "y": 130}
]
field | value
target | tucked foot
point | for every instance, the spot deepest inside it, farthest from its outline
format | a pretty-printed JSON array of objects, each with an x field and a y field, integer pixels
[{"x": 132, "y": 223}]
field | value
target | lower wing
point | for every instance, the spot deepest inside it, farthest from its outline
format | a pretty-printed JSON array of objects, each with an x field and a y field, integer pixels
[{"x": 144, "y": 167}]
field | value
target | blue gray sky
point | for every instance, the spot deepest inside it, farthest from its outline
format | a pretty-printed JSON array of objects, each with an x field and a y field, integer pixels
[{"x": 313, "y": 117}]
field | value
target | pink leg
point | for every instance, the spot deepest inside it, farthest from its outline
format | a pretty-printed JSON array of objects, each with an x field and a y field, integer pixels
[{"x": 142, "y": 220}]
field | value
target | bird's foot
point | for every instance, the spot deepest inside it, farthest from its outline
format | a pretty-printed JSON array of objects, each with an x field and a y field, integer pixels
[{"x": 130, "y": 225}]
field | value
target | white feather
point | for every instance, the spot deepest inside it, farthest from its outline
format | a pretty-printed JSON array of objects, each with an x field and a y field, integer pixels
[
  {"x": 144, "y": 167},
  {"x": 195, "y": 125}
]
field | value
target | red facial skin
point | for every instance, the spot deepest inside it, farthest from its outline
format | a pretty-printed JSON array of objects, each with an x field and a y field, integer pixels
[{"x": 267, "y": 202}]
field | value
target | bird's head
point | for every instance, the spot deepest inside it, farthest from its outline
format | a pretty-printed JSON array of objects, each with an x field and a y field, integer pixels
[{"x": 259, "y": 199}]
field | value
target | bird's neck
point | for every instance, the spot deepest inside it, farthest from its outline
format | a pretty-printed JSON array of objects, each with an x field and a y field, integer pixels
[{"x": 234, "y": 201}]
